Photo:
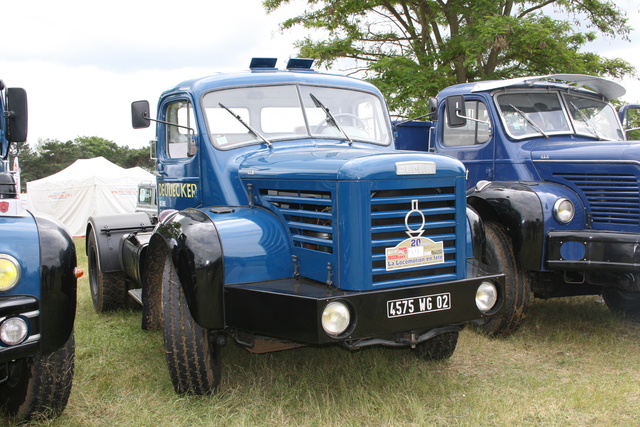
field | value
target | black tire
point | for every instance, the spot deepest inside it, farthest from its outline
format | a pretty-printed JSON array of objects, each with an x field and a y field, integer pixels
[
  {"x": 108, "y": 290},
  {"x": 440, "y": 347},
  {"x": 38, "y": 387},
  {"x": 193, "y": 358},
  {"x": 622, "y": 302},
  {"x": 501, "y": 258}
]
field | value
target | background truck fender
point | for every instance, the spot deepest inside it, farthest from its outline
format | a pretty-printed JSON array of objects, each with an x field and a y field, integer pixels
[
  {"x": 58, "y": 283},
  {"x": 109, "y": 242},
  {"x": 518, "y": 207},
  {"x": 476, "y": 239}
]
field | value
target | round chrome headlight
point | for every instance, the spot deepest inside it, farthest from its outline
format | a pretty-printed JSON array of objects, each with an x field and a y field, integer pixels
[
  {"x": 9, "y": 272},
  {"x": 14, "y": 330},
  {"x": 486, "y": 296},
  {"x": 563, "y": 211},
  {"x": 335, "y": 318}
]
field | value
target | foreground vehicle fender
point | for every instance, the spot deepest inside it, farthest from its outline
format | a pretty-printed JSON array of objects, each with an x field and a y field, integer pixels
[{"x": 58, "y": 284}]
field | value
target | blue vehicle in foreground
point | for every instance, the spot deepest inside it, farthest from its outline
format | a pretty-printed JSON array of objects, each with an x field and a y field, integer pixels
[
  {"x": 287, "y": 218},
  {"x": 37, "y": 291},
  {"x": 555, "y": 181}
]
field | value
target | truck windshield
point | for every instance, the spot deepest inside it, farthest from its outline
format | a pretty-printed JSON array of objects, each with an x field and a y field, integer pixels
[
  {"x": 283, "y": 112},
  {"x": 530, "y": 114}
]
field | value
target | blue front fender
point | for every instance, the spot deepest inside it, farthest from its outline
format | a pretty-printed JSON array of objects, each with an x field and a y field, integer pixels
[{"x": 211, "y": 247}]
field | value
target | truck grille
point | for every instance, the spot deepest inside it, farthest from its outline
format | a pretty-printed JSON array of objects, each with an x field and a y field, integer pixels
[
  {"x": 341, "y": 240},
  {"x": 308, "y": 215},
  {"x": 389, "y": 209},
  {"x": 613, "y": 198}
]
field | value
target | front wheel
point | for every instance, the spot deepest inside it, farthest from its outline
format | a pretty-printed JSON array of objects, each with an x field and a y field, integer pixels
[
  {"x": 501, "y": 258},
  {"x": 623, "y": 302},
  {"x": 193, "y": 358},
  {"x": 39, "y": 386},
  {"x": 440, "y": 347}
]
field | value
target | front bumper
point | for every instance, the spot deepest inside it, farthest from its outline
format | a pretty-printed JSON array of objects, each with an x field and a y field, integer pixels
[
  {"x": 26, "y": 307},
  {"x": 593, "y": 250},
  {"x": 292, "y": 309}
]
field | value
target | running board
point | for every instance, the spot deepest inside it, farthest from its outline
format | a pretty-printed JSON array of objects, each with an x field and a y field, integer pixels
[{"x": 136, "y": 294}]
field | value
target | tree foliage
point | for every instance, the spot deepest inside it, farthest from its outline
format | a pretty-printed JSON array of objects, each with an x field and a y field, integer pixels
[
  {"x": 411, "y": 49},
  {"x": 51, "y": 156}
]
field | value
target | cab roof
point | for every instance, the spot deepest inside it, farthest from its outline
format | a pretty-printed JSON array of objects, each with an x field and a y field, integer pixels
[
  {"x": 263, "y": 72},
  {"x": 606, "y": 88}
]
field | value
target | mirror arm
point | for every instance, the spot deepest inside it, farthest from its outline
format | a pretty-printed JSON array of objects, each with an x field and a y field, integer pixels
[{"x": 486, "y": 122}]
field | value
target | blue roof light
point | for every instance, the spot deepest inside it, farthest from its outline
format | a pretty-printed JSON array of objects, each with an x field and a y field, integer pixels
[{"x": 261, "y": 63}]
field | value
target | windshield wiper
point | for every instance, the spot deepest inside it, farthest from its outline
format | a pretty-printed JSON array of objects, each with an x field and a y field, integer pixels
[
  {"x": 528, "y": 120},
  {"x": 251, "y": 130},
  {"x": 330, "y": 117},
  {"x": 587, "y": 122}
]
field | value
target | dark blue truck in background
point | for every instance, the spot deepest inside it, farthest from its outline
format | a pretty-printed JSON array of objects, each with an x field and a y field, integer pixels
[
  {"x": 37, "y": 291},
  {"x": 555, "y": 181}
]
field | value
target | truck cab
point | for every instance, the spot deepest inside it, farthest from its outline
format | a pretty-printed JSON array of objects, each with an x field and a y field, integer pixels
[
  {"x": 555, "y": 180},
  {"x": 287, "y": 218},
  {"x": 37, "y": 290}
]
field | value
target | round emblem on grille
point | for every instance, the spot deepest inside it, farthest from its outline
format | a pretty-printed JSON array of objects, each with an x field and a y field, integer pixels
[{"x": 410, "y": 231}]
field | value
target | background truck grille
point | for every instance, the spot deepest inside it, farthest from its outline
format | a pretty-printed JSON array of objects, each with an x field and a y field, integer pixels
[{"x": 613, "y": 198}]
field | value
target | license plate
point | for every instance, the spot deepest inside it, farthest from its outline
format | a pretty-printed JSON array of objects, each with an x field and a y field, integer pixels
[{"x": 418, "y": 305}]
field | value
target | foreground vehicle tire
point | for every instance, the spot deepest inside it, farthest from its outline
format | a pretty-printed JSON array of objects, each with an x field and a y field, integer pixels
[
  {"x": 39, "y": 387},
  {"x": 501, "y": 258},
  {"x": 619, "y": 301},
  {"x": 193, "y": 357},
  {"x": 440, "y": 347},
  {"x": 108, "y": 290}
]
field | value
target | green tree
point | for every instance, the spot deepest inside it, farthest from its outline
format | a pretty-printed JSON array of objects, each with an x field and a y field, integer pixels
[{"x": 411, "y": 49}]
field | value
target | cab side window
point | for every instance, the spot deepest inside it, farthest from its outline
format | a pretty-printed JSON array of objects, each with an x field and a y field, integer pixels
[
  {"x": 180, "y": 140},
  {"x": 472, "y": 133}
]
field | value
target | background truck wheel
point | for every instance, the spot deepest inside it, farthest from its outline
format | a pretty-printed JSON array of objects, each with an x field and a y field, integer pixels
[
  {"x": 500, "y": 257},
  {"x": 624, "y": 302},
  {"x": 193, "y": 357},
  {"x": 39, "y": 387},
  {"x": 440, "y": 347},
  {"x": 108, "y": 290}
]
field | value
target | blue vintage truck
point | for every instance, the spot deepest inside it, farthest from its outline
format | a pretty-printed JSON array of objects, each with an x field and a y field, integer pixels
[
  {"x": 37, "y": 291},
  {"x": 555, "y": 181},
  {"x": 287, "y": 218}
]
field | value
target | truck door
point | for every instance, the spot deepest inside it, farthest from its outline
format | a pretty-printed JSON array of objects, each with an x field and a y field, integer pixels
[
  {"x": 472, "y": 143},
  {"x": 178, "y": 164}
]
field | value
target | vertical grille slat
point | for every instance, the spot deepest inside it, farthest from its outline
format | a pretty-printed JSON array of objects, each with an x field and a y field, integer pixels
[{"x": 613, "y": 199}]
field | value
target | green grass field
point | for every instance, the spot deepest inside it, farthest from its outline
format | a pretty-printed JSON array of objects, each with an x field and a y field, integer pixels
[{"x": 572, "y": 364}]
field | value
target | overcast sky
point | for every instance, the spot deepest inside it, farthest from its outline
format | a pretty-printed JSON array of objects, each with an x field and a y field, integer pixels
[{"x": 84, "y": 62}]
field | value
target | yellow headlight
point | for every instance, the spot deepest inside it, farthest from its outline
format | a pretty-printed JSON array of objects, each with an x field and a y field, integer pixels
[{"x": 9, "y": 272}]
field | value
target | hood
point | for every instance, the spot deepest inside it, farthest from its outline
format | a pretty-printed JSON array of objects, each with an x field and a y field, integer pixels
[
  {"x": 579, "y": 158},
  {"x": 581, "y": 151},
  {"x": 346, "y": 164}
]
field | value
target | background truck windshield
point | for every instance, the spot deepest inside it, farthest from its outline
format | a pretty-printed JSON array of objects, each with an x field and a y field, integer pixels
[
  {"x": 529, "y": 114},
  {"x": 293, "y": 112}
]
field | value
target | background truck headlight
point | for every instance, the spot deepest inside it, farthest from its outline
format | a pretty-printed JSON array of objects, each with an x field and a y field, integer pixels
[
  {"x": 335, "y": 318},
  {"x": 486, "y": 296},
  {"x": 9, "y": 272},
  {"x": 563, "y": 211}
]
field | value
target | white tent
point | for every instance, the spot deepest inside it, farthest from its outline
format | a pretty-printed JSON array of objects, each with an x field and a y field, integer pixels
[{"x": 87, "y": 187}]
